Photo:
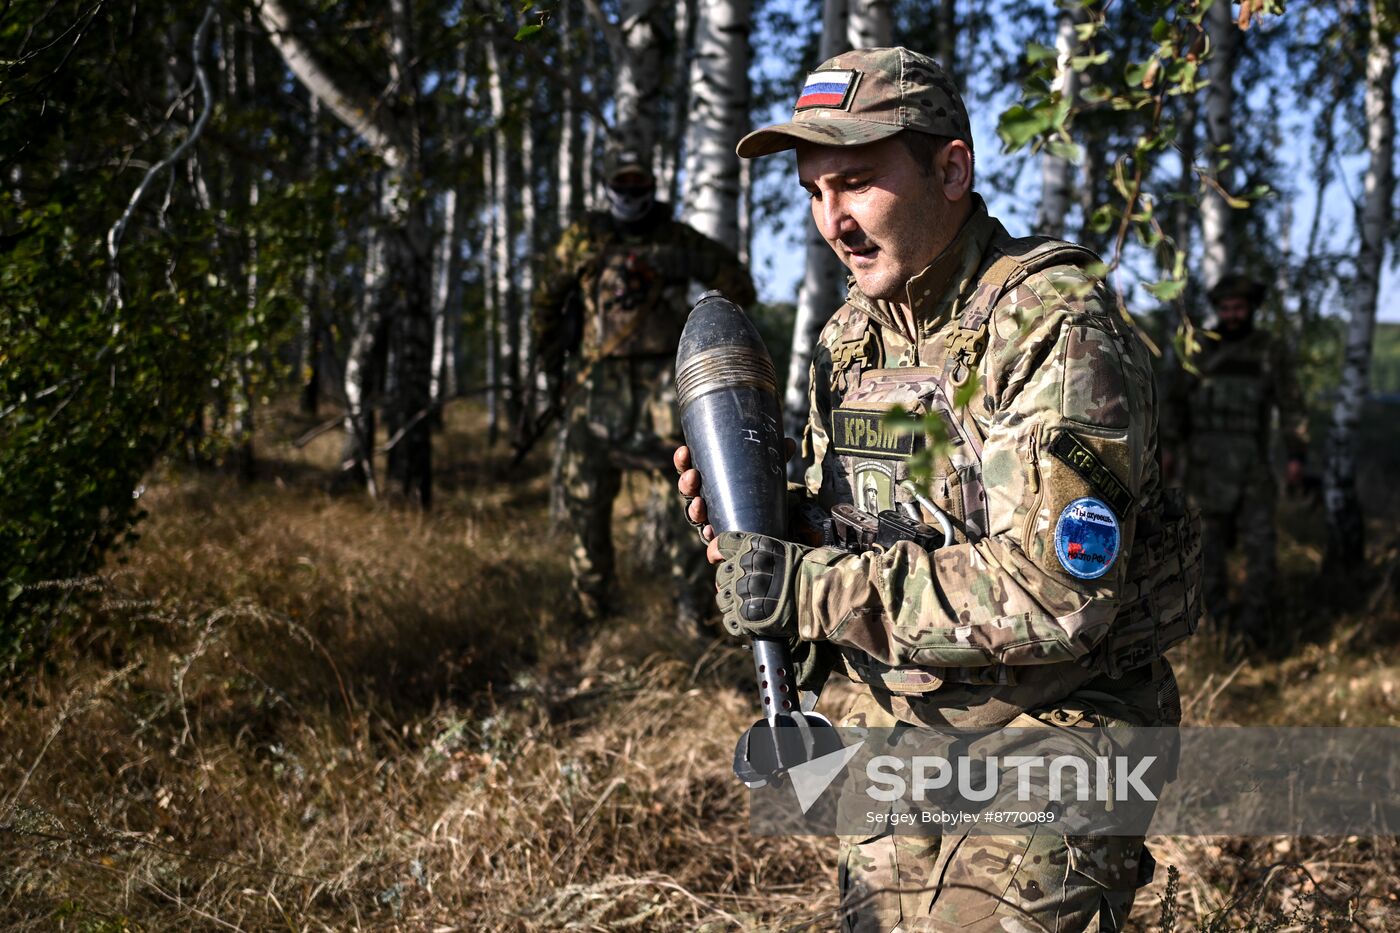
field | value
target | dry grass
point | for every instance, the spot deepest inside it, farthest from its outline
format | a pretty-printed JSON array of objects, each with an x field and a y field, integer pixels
[{"x": 296, "y": 709}]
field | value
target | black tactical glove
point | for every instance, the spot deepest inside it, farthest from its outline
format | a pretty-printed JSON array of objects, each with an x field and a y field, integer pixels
[{"x": 757, "y": 584}]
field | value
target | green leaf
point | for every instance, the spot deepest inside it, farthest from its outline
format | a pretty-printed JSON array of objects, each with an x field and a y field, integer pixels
[
  {"x": 1096, "y": 93},
  {"x": 1070, "y": 152},
  {"x": 898, "y": 419},
  {"x": 525, "y": 32},
  {"x": 1018, "y": 126},
  {"x": 964, "y": 394},
  {"x": 1136, "y": 72},
  {"x": 1161, "y": 30},
  {"x": 1102, "y": 219},
  {"x": 1037, "y": 53},
  {"x": 1081, "y": 62},
  {"x": 1167, "y": 289}
]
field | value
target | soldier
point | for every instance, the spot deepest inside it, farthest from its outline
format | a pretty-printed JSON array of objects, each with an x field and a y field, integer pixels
[
  {"x": 1218, "y": 428},
  {"x": 1070, "y": 569},
  {"x": 616, "y": 299}
]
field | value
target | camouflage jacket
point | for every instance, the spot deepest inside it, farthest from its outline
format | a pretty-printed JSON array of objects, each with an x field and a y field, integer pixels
[
  {"x": 1223, "y": 415},
  {"x": 631, "y": 282},
  {"x": 1049, "y": 474}
]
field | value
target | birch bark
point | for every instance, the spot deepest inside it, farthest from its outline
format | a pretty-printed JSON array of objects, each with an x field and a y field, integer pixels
[
  {"x": 1057, "y": 172},
  {"x": 503, "y": 242},
  {"x": 635, "y": 44},
  {"x": 403, "y": 293},
  {"x": 568, "y": 183},
  {"x": 1346, "y": 544},
  {"x": 720, "y": 105},
  {"x": 1224, "y": 36}
]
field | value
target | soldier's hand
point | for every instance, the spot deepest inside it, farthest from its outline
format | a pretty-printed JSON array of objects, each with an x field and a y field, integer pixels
[
  {"x": 689, "y": 486},
  {"x": 756, "y": 585},
  {"x": 1293, "y": 474}
]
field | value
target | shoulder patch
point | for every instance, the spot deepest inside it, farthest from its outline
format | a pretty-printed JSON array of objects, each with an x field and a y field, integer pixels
[
  {"x": 1079, "y": 458},
  {"x": 1087, "y": 538}
]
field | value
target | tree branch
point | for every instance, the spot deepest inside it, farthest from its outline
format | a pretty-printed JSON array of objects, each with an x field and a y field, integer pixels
[
  {"x": 372, "y": 126},
  {"x": 114, "y": 236}
]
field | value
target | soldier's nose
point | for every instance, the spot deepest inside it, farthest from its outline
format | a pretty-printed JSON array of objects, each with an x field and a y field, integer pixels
[{"x": 831, "y": 216}]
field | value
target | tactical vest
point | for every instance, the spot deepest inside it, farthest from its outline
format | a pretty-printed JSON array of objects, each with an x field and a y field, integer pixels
[
  {"x": 633, "y": 307},
  {"x": 1160, "y": 603},
  {"x": 1232, "y": 395}
]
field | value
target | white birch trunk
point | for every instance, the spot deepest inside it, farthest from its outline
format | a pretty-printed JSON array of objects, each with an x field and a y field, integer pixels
[
  {"x": 448, "y": 257},
  {"x": 869, "y": 25},
  {"x": 503, "y": 241},
  {"x": 442, "y": 291},
  {"x": 1220, "y": 105},
  {"x": 720, "y": 108},
  {"x": 492, "y": 305},
  {"x": 403, "y": 294},
  {"x": 370, "y": 123},
  {"x": 529, "y": 231},
  {"x": 635, "y": 44},
  {"x": 357, "y": 457},
  {"x": 671, "y": 149},
  {"x": 590, "y": 197},
  {"x": 1057, "y": 172},
  {"x": 822, "y": 285},
  {"x": 568, "y": 190},
  {"x": 1346, "y": 538}
]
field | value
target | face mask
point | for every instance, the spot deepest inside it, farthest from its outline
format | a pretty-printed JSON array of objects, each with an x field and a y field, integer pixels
[{"x": 629, "y": 205}]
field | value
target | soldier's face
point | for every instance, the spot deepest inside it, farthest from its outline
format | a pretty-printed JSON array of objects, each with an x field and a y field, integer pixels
[
  {"x": 1233, "y": 314},
  {"x": 882, "y": 214}
]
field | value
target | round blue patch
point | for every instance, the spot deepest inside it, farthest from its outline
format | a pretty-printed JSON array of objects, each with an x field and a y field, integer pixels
[{"x": 1087, "y": 538}]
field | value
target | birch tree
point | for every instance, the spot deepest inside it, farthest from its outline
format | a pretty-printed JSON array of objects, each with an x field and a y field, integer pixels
[
  {"x": 569, "y": 158},
  {"x": 1345, "y": 525},
  {"x": 1224, "y": 34},
  {"x": 858, "y": 24},
  {"x": 635, "y": 44},
  {"x": 403, "y": 293},
  {"x": 1056, "y": 170},
  {"x": 507, "y": 305},
  {"x": 447, "y": 276},
  {"x": 719, "y": 88}
]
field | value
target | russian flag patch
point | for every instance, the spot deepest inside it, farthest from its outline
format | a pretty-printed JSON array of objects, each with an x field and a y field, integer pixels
[{"x": 827, "y": 89}]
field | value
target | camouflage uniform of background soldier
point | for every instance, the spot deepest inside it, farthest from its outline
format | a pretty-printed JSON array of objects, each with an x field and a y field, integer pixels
[
  {"x": 1070, "y": 569},
  {"x": 1218, "y": 427},
  {"x": 616, "y": 300}
]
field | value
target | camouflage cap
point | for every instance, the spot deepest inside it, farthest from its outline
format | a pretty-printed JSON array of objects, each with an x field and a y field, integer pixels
[
  {"x": 1238, "y": 285},
  {"x": 864, "y": 96}
]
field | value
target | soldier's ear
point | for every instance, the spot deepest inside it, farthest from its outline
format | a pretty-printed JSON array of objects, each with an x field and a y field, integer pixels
[{"x": 954, "y": 165}]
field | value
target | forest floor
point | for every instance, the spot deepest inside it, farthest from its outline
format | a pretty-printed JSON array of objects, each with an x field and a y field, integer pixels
[{"x": 295, "y": 708}]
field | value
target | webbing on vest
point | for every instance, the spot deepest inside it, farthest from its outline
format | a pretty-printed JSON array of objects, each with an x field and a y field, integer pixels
[{"x": 1016, "y": 260}]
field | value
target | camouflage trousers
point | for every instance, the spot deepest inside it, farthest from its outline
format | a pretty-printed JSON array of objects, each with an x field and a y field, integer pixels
[
  {"x": 1250, "y": 525},
  {"x": 1040, "y": 883},
  {"x": 596, "y": 454}
]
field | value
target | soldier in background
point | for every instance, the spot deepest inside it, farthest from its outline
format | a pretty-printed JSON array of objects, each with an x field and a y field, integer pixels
[
  {"x": 614, "y": 301},
  {"x": 1218, "y": 430}
]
